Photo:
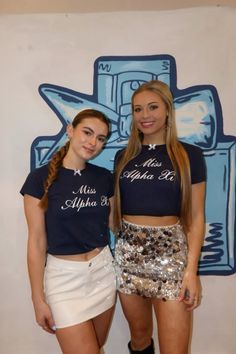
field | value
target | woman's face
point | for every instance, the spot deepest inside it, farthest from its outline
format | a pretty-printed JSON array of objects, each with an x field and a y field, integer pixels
[
  {"x": 150, "y": 115},
  {"x": 87, "y": 138}
]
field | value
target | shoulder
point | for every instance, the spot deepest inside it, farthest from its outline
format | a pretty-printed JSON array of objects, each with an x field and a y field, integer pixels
[
  {"x": 41, "y": 171},
  {"x": 38, "y": 173},
  {"x": 191, "y": 150},
  {"x": 34, "y": 183},
  {"x": 102, "y": 176},
  {"x": 98, "y": 170},
  {"x": 197, "y": 162},
  {"x": 195, "y": 153},
  {"x": 118, "y": 156},
  {"x": 120, "y": 152}
]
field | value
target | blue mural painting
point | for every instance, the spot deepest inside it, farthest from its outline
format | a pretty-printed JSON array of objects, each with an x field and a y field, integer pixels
[{"x": 199, "y": 121}]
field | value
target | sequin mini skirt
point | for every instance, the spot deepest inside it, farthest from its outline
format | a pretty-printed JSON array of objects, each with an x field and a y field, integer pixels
[{"x": 150, "y": 261}]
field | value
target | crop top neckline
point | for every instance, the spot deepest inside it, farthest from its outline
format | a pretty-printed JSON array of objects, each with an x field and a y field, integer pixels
[
  {"x": 153, "y": 147},
  {"x": 76, "y": 172},
  {"x": 73, "y": 169}
]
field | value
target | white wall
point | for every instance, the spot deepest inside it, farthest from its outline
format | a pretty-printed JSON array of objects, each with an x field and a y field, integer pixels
[{"x": 61, "y": 50}]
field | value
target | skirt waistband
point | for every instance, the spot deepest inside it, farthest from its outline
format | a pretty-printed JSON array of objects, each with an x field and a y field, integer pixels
[
  {"x": 56, "y": 262},
  {"x": 138, "y": 226}
]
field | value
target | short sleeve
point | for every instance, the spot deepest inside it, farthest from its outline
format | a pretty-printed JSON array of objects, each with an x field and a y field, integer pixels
[
  {"x": 34, "y": 183},
  {"x": 197, "y": 163}
]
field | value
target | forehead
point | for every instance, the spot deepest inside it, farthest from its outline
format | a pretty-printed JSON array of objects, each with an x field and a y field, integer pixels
[
  {"x": 146, "y": 97},
  {"x": 94, "y": 124}
]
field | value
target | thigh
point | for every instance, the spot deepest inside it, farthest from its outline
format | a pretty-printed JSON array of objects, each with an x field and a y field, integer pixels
[
  {"x": 78, "y": 339},
  {"x": 102, "y": 325},
  {"x": 174, "y": 326},
  {"x": 138, "y": 312}
]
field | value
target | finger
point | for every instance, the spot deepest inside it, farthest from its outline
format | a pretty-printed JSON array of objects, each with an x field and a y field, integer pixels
[
  {"x": 194, "y": 304},
  {"x": 48, "y": 329},
  {"x": 46, "y": 326},
  {"x": 184, "y": 294},
  {"x": 51, "y": 324},
  {"x": 188, "y": 298}
]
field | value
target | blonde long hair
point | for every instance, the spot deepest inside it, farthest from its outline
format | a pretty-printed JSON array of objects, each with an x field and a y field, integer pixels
[
  {"x": 175, "y": 150},
  {"x": 57, "y": 159}
]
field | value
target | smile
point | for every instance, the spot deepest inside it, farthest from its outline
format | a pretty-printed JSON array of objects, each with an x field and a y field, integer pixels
[
  {"x": 90, "y": 151},
  {"x": 146, "y": 124}
]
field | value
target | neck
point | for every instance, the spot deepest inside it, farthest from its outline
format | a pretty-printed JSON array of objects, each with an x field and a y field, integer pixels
[
  {"x": 73, "y": 165},
  {"x": 153, "y": 142},
  {"x": 158, "y": 138}
]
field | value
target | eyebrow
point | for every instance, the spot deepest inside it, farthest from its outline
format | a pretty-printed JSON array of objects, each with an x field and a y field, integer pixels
[
  {"x": 147, "y": 103},
  {"x": 92, "y": 131}
]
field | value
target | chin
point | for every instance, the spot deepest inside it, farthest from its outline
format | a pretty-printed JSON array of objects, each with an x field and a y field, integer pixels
[{"x": 92, "y": 156}]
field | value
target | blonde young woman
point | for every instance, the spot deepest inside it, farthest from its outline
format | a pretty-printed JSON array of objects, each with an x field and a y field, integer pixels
[
  {"x": 159, "y": 215},
  {"x": 68, "y": 207}
]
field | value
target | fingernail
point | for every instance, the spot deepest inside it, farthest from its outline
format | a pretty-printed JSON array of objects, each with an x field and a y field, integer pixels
[{"x": 54, "y": 328}]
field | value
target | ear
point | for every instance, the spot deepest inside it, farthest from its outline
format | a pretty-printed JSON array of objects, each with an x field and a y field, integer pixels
[{"x": 69, "y": 131}]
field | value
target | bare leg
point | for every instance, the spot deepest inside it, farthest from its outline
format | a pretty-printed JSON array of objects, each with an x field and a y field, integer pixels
[
  {"x": 78, "y": 339},
  {"x": 138, "y": 313},
  {"x": 174, "y": 326},
  {"x": 102, "y": 325}
]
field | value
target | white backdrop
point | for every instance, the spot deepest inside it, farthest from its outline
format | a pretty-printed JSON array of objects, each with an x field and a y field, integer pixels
[{"x": 61, "y": 50}]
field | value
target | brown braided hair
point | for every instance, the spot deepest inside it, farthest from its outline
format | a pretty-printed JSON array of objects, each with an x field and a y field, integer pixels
[{"x": 57, "y": 159}]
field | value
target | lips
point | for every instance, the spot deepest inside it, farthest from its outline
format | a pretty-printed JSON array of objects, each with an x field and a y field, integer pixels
[
  {"x": 90, "y": 151},
  {"x": 146, "y": 124}
]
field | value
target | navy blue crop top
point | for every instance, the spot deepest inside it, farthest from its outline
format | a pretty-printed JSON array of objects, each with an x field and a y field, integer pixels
[
  {"x": 78, "y": 208},
  {"x": 148, "y": 185}
]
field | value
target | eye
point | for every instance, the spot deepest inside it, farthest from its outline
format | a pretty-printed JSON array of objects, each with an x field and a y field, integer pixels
[
  {"x": 137, "y": 109},
  {"x": 87, "y": 132},
  {"x": 101, "y": 139},
  {"x": 152, "y": 107}
]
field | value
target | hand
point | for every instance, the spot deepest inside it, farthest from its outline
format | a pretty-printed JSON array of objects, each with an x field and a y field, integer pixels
[
  {"x": 191, "y": 290},
  {"x": 44, "y": 317}
]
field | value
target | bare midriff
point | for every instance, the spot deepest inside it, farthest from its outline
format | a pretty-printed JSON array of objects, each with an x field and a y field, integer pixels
[
  {"x": 82, "y": 257},
  {"x": 151, "y": 220}
]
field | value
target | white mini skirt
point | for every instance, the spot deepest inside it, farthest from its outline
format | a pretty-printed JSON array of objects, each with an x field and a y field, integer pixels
[{"x": 79, "y": 291}]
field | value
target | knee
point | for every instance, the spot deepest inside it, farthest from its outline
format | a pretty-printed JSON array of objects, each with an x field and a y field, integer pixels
[{"x": 141, "y": 331}]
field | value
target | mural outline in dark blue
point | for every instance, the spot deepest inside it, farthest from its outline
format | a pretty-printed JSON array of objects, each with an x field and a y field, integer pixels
[{"x": 199, "y": 121}]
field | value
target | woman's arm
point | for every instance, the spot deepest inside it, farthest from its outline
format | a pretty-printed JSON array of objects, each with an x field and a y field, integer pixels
[
  {"x": 111, "y": 218},
  {"x": 191, "y": 283},
  {"x": 36, "y": 258}
]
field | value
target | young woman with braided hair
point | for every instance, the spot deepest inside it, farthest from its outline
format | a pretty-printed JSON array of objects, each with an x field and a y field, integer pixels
[
  {"x": 68, "y": 207},
  {"x": 159, "y": 217}
]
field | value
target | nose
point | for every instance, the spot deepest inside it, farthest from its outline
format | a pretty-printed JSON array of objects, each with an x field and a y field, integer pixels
[
  {"x": 145, "y": 112},
  {"x": 93, "y": 140}
]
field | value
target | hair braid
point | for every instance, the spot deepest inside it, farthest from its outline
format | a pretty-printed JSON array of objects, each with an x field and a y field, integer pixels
[{"x": 53, "y": 168}]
